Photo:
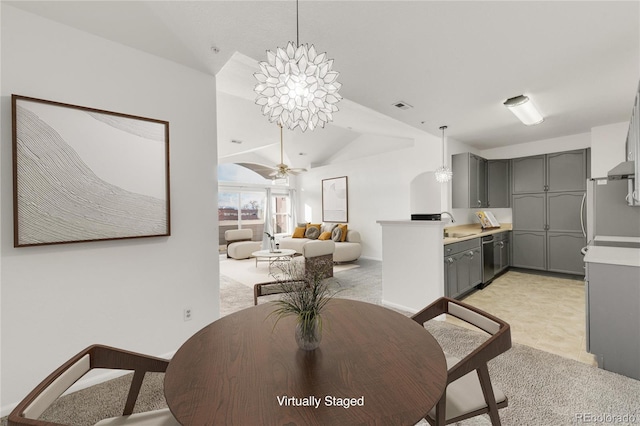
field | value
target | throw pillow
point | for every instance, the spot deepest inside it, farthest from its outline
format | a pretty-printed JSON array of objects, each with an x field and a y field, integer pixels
[
  {"x": 315, "y": 225},
  {"x": 325, "y": 236},
  {"x": 312, "y": 233},
  {"x": 299, "y": 232},
  {"x": 336, "y": 234},
  {"x": 328, "y": 227},
  {"x": 302, "y": 224},
  {"x": 343, "y": 227}
]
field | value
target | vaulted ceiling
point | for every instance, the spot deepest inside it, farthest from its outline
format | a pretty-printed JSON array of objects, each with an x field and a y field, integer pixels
[{"x": 455, "y": 62}]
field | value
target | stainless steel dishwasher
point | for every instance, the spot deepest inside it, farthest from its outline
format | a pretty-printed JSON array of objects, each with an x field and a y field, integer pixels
[{"x": 488, "y": 268}]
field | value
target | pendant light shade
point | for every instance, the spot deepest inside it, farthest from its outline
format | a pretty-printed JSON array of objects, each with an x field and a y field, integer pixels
[
  {"x": 297, "y": 87},
  {"x": 443, "y": 173}
]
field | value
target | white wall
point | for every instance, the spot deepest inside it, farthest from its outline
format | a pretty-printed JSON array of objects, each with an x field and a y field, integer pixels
[
  {"x": 607, "y": 147},
  {"x": 544, "y": 146},
  {"x": 379, "y": 188},
  {"x": 56, "y": 300}
]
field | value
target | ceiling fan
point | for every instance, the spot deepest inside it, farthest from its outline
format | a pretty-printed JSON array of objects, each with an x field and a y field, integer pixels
[{"x": 282, "y": 170}]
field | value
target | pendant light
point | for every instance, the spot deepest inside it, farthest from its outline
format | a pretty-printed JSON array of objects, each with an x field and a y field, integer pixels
[
  {"x": 443, "y": 173},
  {"x": 297, "y": 86}
]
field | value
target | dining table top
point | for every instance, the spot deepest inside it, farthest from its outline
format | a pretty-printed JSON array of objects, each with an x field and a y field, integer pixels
[{"x": 373, "y": 366}]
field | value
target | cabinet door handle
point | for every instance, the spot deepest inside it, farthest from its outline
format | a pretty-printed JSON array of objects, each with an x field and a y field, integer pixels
[
  {"x": 470, "y": 254},
  {"x": 449, "y": 260}
]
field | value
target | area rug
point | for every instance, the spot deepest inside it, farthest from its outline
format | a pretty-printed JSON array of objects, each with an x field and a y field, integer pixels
[
  {"x": 543, "y": 389},
  {"x": 248, "y": 272}
]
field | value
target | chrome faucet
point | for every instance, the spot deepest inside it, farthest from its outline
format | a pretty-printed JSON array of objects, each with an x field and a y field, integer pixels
[{"x": 450, "y": 215}]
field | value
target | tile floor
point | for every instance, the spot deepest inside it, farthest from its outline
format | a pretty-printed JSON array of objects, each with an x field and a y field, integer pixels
[{"x": 544, "y": 312}]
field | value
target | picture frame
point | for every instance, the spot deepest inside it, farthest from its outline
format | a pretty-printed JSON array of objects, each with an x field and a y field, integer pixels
[
  {"x": 83, "y": 174},
  {"x": 335, "y": 200}
]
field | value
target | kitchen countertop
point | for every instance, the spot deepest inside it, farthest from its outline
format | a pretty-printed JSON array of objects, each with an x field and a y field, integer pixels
[
  {"x": 475, "y": 231},
  {"x": 624, "y": 256}
]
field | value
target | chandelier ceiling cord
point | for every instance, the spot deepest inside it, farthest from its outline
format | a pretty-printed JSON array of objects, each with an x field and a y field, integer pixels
[
  {"x": 443, "y": 173},
  {"x": 297, "y": 86}
]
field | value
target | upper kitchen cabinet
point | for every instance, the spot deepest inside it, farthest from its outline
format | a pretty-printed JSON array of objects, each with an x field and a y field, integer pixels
[
  {"x": 633, "y": 152},
  {"x": 469, "y": 181},
  {"x": 528, "y": 174},
  {"x": 498, "y": 193},
  {"x": 558, "y": 172},
  {"x": 567, "y": 171}
]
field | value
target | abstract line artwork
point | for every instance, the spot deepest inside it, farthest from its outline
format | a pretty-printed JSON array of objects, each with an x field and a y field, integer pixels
[
  {"x": 335, "y": 200},
  {"x": 82, "y": 174}
]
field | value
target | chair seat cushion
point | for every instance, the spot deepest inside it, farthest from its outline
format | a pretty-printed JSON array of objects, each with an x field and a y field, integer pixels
[
  {"x": 148, "y": 418},
  {"x": 465, "y": 394}
]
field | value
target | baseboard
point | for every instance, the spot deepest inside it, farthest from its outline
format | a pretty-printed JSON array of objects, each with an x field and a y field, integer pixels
[
  {"x": 86, "y": 382},
  {"x": 401, "y": 307}
]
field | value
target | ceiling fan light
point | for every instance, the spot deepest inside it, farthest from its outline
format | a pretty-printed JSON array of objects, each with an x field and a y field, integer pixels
[{"x": 523, "y": 108}]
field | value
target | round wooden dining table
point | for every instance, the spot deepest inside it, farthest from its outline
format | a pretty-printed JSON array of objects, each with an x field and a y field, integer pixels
[{"x": 373, "y": 366}]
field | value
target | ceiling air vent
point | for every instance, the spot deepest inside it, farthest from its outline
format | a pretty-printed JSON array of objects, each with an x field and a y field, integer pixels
[{"x": 402, "y": 105}]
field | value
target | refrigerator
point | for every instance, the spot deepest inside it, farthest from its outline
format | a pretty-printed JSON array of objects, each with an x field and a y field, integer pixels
[{"x": 607, "y": 211}]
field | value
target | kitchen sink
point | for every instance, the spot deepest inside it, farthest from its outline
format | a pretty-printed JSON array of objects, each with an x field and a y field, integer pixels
[{"x": 458, "y": 234}]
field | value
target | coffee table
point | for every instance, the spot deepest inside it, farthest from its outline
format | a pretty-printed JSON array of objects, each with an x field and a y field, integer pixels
[
  {"x": 273, "y": 256},
  {"x": 241, "y": 370}
]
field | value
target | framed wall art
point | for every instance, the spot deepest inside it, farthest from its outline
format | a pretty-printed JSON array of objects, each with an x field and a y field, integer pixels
[
  {"x": 83, "y": 174},
  {"x": 335, "y": 200}
]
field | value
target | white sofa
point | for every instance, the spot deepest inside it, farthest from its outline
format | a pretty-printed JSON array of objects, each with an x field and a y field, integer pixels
[{"x": 346, "y": 251}]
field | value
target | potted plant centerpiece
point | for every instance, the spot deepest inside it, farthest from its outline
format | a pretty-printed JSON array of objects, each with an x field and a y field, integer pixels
[
  {"x": 305, "y": 293},
  {"x": 272, "y": 242}
]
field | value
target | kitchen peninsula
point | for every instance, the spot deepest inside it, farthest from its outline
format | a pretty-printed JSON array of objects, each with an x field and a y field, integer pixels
[{"x": 412, "y": 269}]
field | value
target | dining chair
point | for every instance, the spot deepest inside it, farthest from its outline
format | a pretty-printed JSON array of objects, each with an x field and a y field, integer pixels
[
  {"x": 469, "y": 390},
  {"x": 30, "y": 409}
]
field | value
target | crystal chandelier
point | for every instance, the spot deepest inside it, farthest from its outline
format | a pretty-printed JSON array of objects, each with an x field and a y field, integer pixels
[
  {"x": 443, "y": 173},
  {"x": 297, "y": 87}
]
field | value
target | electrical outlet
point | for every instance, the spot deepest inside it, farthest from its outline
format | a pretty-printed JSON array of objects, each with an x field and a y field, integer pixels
[{"x": 187, "y": 314}]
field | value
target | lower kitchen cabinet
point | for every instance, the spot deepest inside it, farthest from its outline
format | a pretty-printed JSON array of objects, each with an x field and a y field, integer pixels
[
  {"x": 529, "y": 249},
  {"x": 563, "y": 252},
  {"x": 613, "y": 315},
  {"x": 501, "y": 252},
  {"x": 462, "y": 267}
]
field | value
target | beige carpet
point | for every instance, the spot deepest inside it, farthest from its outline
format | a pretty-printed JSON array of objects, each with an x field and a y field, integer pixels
[{"x": 246, "y": 271}]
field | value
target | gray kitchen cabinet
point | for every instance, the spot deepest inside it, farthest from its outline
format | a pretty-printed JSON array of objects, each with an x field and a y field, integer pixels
[
  {"x": 613, "y": 315},
  {"x": 529, "y": 212},
  {"x": 469, "y": 181},
  {"x": 462, "y": 266},
  {"x": 529, "y": 249},
  {"x": 563, "y": 211},
  {"x": 501, "y": 252},
  {"x": 528, "y": 174},
  {"x": 548, "y": 192},
  {"x": 632, "y": 149},
  {"x": 498, "y": 194},
  {"x": 563, "y": 252},
  {"x": 567, "y": 171}
]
